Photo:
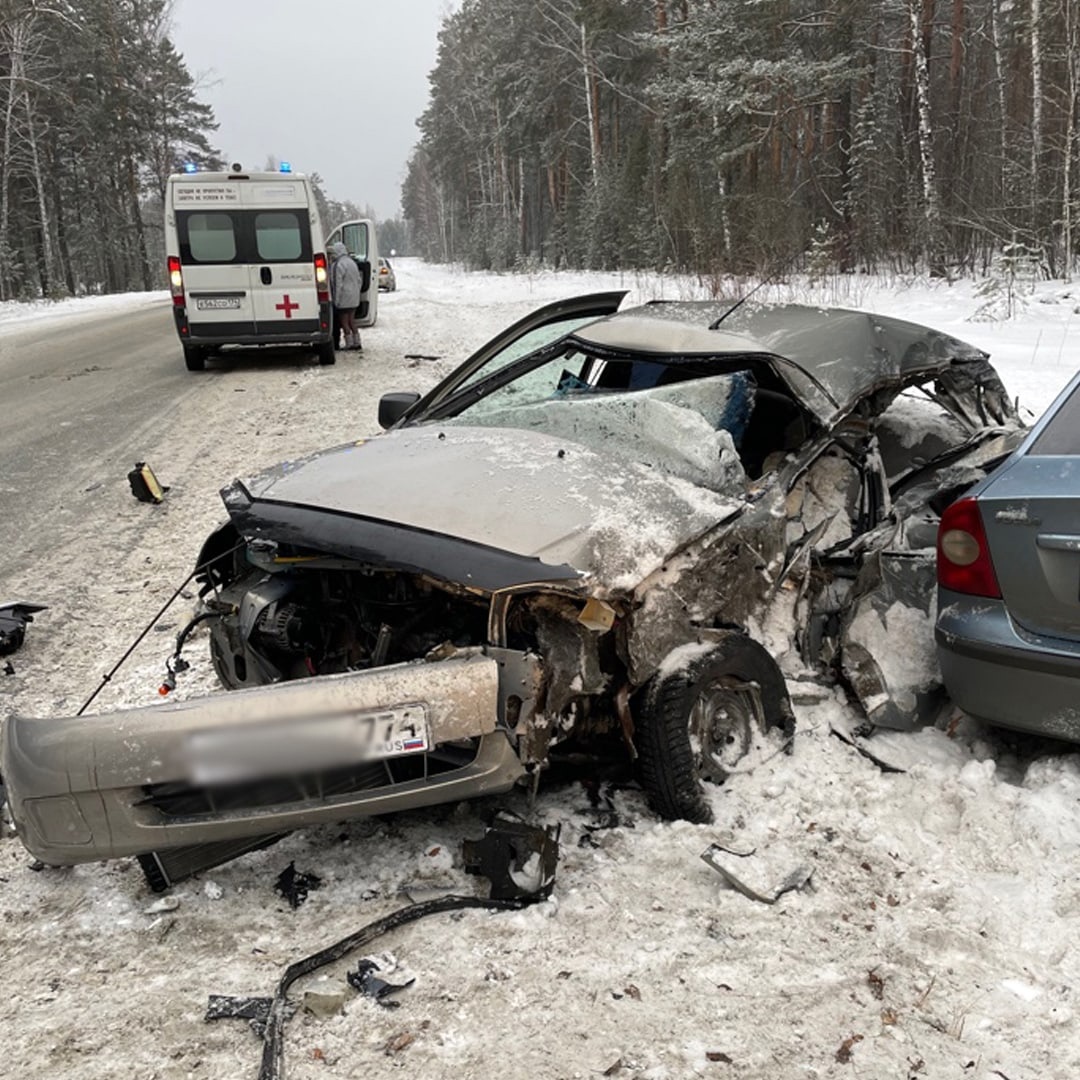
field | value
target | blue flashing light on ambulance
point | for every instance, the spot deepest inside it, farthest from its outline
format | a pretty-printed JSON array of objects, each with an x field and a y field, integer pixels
[{"x": 247, "y": 262}]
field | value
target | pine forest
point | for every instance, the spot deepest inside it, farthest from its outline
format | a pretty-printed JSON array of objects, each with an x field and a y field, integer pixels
[{"x": 711, "y": 137}]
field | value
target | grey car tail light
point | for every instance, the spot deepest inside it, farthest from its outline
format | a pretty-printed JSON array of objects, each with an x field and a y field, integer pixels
[{"x": 963, "y": 555}]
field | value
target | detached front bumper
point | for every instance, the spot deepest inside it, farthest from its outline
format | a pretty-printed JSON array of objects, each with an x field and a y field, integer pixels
[{"x": 98, "y": 787}]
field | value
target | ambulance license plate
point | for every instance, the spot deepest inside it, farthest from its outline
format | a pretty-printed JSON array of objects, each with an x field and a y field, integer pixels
[{"x": 216, "y": 303}]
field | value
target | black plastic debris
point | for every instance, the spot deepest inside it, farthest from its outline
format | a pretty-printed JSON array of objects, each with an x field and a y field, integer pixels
[
  {"x": 295, "y": 885},
  {"x": 368, "y": 980},
  {"x": 13, "y": 620},
  {"x": 604, "y": 815},
  {"x": 145, "y": 485},
  {"x": 518, "y": 859}
]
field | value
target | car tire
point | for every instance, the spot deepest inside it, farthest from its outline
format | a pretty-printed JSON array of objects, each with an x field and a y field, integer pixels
[
  {"x": 326, "y": 354},
  {"x": 698, "y": 719},
  {"x": 195, "y": 357}
]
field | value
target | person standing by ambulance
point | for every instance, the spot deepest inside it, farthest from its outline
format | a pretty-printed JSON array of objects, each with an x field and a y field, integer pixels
[{"x": 345, "y": 282}]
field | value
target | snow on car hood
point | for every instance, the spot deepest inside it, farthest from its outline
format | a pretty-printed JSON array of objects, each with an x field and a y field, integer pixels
[{"x": 523, "y": 492}]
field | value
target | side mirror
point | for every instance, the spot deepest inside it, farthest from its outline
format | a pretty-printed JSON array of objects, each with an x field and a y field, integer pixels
[{"x": 392, "y": 407}]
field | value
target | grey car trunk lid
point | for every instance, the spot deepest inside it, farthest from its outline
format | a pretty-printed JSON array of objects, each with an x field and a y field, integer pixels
[{"x": 1031, "y": 514}]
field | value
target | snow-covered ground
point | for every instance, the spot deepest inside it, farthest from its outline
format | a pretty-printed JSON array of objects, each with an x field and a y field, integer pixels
[{"x": 936, "y": 937}]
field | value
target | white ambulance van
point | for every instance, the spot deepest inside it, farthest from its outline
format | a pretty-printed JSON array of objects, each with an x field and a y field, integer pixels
[
  {"x": 247, "y": 262},
  {"x": 358, "y": 236}
]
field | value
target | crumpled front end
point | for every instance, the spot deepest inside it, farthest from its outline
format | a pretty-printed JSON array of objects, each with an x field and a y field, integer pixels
[{"x": 265, "y": 760}]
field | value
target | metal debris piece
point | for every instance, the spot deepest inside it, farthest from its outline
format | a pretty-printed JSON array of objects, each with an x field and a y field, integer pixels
[
  {"x": 795, "y": 879},
  {"x": 518, "y": 859},
  {"x": 840, "y": 727},
  {"x": 294, "y": 886},
  {"x": 14, "y": 616}
]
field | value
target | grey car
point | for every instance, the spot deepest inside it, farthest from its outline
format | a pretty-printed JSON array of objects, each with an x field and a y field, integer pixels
[
  {"x": 387, "y": 277},
  {"x": 581, "y": 537},
  {"x": 1008, "y": 627}
]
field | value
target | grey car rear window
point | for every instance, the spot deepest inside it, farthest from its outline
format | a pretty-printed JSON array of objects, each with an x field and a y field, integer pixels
[{"x": 1061, "y": 436}]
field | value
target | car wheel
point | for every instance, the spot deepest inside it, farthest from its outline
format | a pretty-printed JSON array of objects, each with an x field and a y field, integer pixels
[
  {"x": 195, "y": 357},
  {"x": 699, "y": 716},
  {"x": 326, "y": 353}
]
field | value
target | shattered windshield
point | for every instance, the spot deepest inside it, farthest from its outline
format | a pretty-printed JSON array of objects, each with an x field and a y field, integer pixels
[
  {"x": 670, "y": 417},
  {"x": 530, "y": 342}
]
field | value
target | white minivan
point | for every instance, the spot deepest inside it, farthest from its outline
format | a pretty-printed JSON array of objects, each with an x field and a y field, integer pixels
[{"x": 247, "y": 262}]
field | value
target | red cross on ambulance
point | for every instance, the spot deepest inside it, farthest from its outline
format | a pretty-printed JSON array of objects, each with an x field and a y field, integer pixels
[{"x": 287, "y": 306}]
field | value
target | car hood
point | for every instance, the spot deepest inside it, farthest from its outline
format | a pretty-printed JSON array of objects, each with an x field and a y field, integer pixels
[{"x": 560, "y": 509}]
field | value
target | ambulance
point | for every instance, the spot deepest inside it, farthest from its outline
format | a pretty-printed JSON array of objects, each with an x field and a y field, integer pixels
[{"x": 247, "y": 262}]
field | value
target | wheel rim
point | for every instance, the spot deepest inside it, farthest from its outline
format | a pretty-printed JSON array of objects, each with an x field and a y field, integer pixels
[{"x": 723, "y": 721}]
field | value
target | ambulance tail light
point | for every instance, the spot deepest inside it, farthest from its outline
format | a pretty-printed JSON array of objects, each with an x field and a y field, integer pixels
[
  {"x": 322, "y": 278},
  {"x": 176, "y": 281}
]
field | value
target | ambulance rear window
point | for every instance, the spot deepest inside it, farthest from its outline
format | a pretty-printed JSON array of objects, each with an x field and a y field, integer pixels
[
  {"x": 211, "y": 237},
  {"x": 278, "y": 237}
]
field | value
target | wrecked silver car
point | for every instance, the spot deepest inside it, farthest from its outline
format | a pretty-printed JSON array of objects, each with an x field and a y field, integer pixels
[{"x": 637, "y": 523}]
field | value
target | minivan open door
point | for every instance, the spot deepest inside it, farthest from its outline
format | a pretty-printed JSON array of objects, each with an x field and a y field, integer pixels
[{"x": 359, "y": 239}]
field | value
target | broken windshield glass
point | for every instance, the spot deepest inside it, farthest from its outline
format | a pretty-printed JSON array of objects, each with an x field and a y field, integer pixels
[{"x": 690, "y": 429}]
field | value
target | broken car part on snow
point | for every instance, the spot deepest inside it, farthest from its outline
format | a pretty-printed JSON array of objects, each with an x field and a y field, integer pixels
[
  {"x": 500, "y": 850},
  {"x": 14, "y": 617},
  {"x": 145, "y": 486},
  {"x": 581, "y": 533}
]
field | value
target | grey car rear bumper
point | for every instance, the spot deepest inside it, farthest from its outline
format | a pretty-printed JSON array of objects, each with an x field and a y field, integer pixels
[
  {"x": 82, "y": 789},
  {"x": 996, "y": 673}
]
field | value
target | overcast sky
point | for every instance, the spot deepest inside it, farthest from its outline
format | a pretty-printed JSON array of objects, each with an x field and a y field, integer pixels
[{"x": 331, "y": 86}]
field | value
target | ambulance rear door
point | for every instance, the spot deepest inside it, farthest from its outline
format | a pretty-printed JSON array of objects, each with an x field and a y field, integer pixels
[
  {"x": 211, "y": 234},
  {"x": 281, "y": 268}
]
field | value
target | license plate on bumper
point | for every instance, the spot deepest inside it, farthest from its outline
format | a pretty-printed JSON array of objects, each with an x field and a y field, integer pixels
[
  {"x": 217, "y": 303},
  {"x": 228, "y": 755}
]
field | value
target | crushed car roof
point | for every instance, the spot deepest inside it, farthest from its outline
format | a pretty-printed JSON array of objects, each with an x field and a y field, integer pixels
[{"x": 831, "y": 357}]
